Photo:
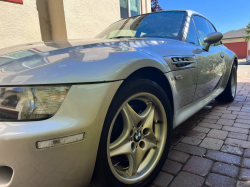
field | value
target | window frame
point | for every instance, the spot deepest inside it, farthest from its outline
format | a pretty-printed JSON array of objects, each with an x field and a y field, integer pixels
[
  {"x": 196, "y": 27},
  {"x": 129, "y": 10},
  {"x": 215, "y": 31},
  {"x": 191, "y": 19},
  {"x": 180, "y": 34},
  {"x": 208, "y": 26},
  {"x": 212, "y": 25}
]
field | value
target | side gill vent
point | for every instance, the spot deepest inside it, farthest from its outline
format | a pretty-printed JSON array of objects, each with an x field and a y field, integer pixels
[{"x": 181, "y": 61}]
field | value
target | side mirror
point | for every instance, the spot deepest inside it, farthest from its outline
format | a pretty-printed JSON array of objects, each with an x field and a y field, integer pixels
[{"x": 212, "y": 38}]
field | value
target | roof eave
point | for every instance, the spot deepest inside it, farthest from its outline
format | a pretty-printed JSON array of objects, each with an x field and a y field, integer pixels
[{"x": 233, "y": 38}]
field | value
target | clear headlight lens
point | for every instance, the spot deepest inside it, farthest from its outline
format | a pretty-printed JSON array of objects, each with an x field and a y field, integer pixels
[{"x": 30, "y": 103}]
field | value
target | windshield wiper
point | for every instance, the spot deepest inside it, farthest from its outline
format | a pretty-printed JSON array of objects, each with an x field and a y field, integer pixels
[{"x": 124, "y": 37}]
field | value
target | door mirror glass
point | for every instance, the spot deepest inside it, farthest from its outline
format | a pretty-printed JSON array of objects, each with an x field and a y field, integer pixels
[{"x": 212, "y": 38}]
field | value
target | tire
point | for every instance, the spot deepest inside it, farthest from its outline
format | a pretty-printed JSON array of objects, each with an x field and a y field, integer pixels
[
  {"x": 115, "y": 141},
  {"x": 229, "y": 94}
]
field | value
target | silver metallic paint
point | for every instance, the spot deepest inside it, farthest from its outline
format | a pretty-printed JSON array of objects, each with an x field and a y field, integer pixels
[
  {"x": 97, "y": 62},
  {"x": 85, "y": 107}
]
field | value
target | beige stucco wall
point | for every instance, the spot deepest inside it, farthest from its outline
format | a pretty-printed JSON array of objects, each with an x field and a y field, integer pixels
[
  {"x": 57, "y": 19},
  {"x": 19, "y": 23},
  {"x": 85, "y": 19},
  {"x": 146, "y": 6},
  {"x": 43, "y": 20}
]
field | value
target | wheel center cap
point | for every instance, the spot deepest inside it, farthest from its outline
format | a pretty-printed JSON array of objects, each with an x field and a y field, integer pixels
[{"x": 137, "y": 136}]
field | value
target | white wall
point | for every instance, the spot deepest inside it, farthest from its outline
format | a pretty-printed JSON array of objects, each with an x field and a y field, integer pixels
[
  {"x": 146, "y": 6},
  {"x": 37, "y": 20},
  {"x": 85, "y": 19},
  {"x": 19, "y": 23}
]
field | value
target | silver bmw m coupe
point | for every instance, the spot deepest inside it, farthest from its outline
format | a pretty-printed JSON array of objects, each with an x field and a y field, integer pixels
[{"x": 103, "y": 109}]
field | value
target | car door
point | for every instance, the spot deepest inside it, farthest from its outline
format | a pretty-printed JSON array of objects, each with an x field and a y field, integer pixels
[
  {"x": 209, "y": 63},
  {"x": 221, "y": 66}
]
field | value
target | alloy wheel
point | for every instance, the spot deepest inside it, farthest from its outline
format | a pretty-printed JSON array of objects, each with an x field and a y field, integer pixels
[{"x": 137, "y": 138}]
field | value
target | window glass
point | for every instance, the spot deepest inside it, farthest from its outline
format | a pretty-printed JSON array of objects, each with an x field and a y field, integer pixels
[
  {"x": 162, "y": 25},
  {"x": 211, "y": 27},
  {"x": 124, "y": 8},
  {"x": 202, "y": 28},
  {"x": 213, "y": 30},
  {"x": 192, "y": 34},
  {"x": 135, "y": 7}
]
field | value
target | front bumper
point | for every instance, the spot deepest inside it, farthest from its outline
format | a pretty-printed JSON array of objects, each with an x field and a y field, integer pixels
[{"x": 83, "y": 110}]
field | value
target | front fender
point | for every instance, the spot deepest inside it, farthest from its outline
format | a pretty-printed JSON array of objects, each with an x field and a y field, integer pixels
[
  {"x": 229, "y": 57},
  {"x": 84, "y": 66}
]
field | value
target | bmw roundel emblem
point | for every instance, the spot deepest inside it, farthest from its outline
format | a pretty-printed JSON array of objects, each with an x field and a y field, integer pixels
[{"x": 137, "y": 136}]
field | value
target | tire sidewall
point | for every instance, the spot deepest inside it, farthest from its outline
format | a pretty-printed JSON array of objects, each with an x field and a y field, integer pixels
[
  {"x": 236, "y": 78},
  {"x": 229, "y": 86},
  {"x": 226, "y": 95},
  {"x": 103, "y": 172}
]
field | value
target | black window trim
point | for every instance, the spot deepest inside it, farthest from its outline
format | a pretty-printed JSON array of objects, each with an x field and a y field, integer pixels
[
  {"x": 205, "y": 19},
  {"x": 209, "y": 27},
  {"x": 214, "y": 29}
]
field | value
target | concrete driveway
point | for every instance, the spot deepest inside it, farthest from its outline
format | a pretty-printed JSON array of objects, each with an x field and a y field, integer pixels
[{"x": 212, "y": 148}]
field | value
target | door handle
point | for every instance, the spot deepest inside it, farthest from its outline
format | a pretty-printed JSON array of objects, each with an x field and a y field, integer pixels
[{"x": 222, "y": 55}]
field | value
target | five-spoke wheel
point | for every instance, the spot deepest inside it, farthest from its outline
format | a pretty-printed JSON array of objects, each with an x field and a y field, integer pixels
[
  {"x": 136, "y": 136},
  {"x": 142, "y": 139}
]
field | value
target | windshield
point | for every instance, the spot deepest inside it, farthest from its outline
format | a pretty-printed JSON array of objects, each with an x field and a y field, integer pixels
[{"x": 162, "y": 25}]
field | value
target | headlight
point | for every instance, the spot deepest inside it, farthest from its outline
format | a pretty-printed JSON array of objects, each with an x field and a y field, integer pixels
[{"x": 30, "y": 103}]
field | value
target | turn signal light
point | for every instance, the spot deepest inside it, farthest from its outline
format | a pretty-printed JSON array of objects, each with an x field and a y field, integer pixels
[{"x": 60, "y": 141}]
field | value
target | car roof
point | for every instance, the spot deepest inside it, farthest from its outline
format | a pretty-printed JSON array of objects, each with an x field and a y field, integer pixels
[{"x": 189, "y": 12}]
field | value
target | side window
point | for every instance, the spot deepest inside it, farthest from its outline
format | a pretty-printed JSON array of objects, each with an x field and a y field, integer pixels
[
  {"x": 192, "y": 34},
  {"x": 202, "y": 28},
  {"x": 211, "y": 27}
]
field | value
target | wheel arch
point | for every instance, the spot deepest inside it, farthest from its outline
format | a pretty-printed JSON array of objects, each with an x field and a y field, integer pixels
[
  {"x": 236, "y": 61},
  {"x": 155, "y": 75}
]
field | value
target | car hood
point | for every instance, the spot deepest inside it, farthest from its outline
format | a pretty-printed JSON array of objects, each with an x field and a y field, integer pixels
[{"x": 71, "y": 61}]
